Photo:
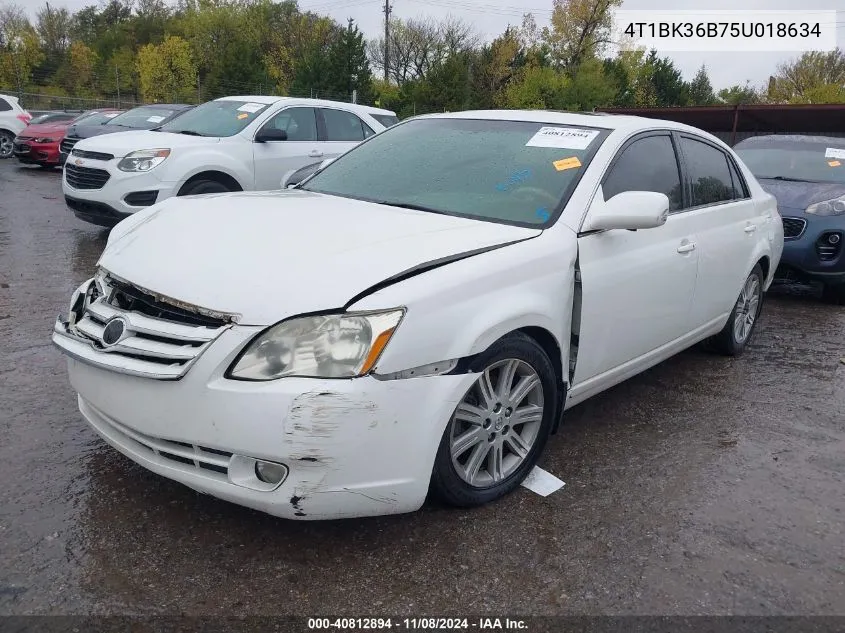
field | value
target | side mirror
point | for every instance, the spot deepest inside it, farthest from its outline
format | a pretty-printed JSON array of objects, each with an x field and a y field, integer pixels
[
  {"x": 271, "y": 134},
  {"x": 629, "y": 210}
]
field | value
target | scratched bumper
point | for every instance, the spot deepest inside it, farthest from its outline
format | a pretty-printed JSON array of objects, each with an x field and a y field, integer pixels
[{"x": 353, "y": 447}]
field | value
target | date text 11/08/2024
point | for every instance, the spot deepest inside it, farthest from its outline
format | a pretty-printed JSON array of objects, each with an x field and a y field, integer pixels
[{"x": 425, "y": 623}]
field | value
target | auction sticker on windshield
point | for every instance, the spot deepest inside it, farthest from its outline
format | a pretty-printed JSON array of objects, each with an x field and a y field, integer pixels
[
  {"x": 562, "y": 137},
  {"x": 251, "y": 107},
  {"x": 156, "y": 119},
  {"x": 834, "y": 152}
]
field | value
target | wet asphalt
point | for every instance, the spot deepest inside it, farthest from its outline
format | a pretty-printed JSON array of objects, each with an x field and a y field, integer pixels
[{"x": 704, "y": 486}]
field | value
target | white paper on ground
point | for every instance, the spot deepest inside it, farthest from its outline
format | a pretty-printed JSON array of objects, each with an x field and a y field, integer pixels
[
  {"x": 834, "y": 152},
  {"x": 542, "y": 482},
  {"x": 562, "y": 137}
]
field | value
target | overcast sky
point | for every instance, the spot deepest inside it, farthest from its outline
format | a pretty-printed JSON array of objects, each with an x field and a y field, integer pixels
[{"x": 490, "y": 17}]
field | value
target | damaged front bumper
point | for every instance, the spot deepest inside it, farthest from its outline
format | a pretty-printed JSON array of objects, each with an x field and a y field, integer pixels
[{"x": 352, "y": 447}]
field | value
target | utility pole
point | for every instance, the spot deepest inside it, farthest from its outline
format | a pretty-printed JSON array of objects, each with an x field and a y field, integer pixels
[
  {"x": 386, "y": 10},
  {"x": 117, "y": 84}
]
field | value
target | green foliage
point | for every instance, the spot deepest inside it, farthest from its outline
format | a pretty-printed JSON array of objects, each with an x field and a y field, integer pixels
[
  {"x": 166, "y": 71},
  {"x": 815, "y": 77},
  {"x": 738, "y": 95},
  {"x": 700, "y": 89}
]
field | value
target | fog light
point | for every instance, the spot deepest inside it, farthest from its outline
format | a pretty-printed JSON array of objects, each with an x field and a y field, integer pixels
[
  {"x": 270, "y": 472},
  {"x": 833, "y": 238}
]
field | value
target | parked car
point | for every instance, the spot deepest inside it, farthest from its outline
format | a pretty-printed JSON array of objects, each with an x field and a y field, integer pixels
[
  {"x": 140, "y": 118},
  {"x": 231, "y": 144},
  {"x": 807, "y": 176},
  {"x": 55, "y": 117},
  {"x": 39, "y": 143},
  {"x": 419, "y": 313},
  {"x": 13, "y": 119}
]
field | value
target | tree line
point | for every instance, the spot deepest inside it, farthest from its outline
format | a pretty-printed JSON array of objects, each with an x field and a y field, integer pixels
[{"x": 132, "y": 51}]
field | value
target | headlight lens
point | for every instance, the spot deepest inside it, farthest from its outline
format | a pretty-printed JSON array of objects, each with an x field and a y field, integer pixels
[
  {"x": 324, "y": 346},
  {"x": 828, "y": 207},
  {"x": 143, "y": 160},
  {"x": 45, "y": 139}
]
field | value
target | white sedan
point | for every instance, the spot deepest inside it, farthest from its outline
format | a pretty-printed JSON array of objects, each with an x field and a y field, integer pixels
[{"x": 418, "y": 314}]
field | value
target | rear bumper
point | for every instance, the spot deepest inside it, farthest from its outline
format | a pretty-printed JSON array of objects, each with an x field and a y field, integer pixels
[
  {"x": 97, "y": 213},
  {"x": 817, "y": 253}
]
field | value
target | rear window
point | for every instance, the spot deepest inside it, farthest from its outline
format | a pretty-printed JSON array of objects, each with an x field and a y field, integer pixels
[{"x": 386, "y": 119}]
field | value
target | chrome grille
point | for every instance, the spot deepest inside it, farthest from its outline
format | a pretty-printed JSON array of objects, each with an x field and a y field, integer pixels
[
  {"x": 193, "y": 457},
  {"x": 68, "y": 142},
  {"x": 793, "y": 228},
  {"x": 155, "y": 340},
  {"x": 85, "y": 177},
  {"x": 81, "y": 153}
]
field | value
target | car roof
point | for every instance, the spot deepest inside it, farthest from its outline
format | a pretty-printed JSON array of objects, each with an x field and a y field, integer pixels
[
  {"x": 623, "y": 122},
  {"x": 793, "y": 138},
  {"x": 269, "y": 100}
]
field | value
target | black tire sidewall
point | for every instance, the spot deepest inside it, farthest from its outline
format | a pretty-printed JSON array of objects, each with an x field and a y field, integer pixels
[
  {"x": 11, "y": 139},
  {"x": 446, "y": 483},
  {"x": 201, "y": 187}
]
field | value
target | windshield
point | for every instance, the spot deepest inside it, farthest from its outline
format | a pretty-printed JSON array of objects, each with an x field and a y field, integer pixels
[
  {"x": 216, "y": 118},
  {"x": 52, "y": 117},
  {"x": 810, "y": 162},
  {"x": 512, "y": 172},
  {"x": 95, "y": 118},
  {"x": 142, "y": 118}
]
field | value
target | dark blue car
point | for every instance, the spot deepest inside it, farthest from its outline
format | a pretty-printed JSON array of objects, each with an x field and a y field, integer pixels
[{"x": 807, "y": 176}]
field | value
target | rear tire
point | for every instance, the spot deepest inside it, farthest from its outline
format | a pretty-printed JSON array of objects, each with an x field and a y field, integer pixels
[
  {"x": 199, "y": 187},
  {"x": 499, "y": 429},
  {"x": 7, "y": 144},
  {"x": 733, "y": 338},
  {"x": 834, "y": 294}
]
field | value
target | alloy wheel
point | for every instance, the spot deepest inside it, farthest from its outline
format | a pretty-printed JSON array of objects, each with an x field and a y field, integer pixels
[
  {"x": 497, "y": 423},
  {"x": 746, "y": 309},
  {"x": 6, "y": 145}
]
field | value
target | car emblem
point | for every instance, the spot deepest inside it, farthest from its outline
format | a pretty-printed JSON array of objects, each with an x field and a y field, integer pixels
[
  {"x": 78, "y": 162},
  {"x": 114, "y": 331}
]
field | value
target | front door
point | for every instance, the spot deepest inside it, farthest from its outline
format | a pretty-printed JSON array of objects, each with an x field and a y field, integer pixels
[
  {"x": 636, "y": 287},
  {"x": 274, "y": 159}
]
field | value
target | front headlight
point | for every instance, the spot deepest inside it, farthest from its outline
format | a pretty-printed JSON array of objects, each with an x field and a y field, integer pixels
[
  {"x": 143, "y": 160},
  {"x": 45, "y": 139},
  {"x": 324, "y": 346},
  {"x": 828, "y": 207}
]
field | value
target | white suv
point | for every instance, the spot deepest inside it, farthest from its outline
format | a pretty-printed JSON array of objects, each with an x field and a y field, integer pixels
[
  {"x": 231, "y": 144},
  {"x": 13, "y": 119}
]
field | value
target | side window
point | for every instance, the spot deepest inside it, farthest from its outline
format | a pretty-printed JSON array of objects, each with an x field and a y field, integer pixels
[
  {"x": 299, "y": 123},
  {"x": 368, "y": 131},
  {"x": 647, "y": 164},
  {"x": 343, "y": 126},
  {"x": 709, "y": 175},
  {"x": 740, "y": 191},
  {"x": 4, "y": 106}
]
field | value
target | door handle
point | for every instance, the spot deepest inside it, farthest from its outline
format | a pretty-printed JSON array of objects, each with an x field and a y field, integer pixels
[
  {"x": 750, "y": 228},
  {"x": 315, "y": 153},
  {"x": 686, "y": 248}
]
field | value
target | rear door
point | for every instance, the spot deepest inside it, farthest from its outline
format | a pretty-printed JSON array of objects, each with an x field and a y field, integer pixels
[
  {"x": 726, "y": 222},
  {"x": 342, "y": 130},
  {"x": 636, "y": 287},
  {"x": 273, "y": 159}
]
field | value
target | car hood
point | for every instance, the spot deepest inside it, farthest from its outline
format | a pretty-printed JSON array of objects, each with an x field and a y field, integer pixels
[
  {"x": 121, "y": 144},
  {"x": 45, "y": 129},
  {"x": 800, "y": 195},
  {"x": 265, "y": 256}
]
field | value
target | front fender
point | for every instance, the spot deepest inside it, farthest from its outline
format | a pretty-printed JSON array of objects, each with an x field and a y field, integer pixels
[
  {"x": 188, "y": 166},
  {"x": 460, "y": 309}
]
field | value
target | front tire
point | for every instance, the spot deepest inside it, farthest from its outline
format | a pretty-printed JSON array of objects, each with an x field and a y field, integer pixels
[
  {"x": 199, "y": 187},
  {"x": 733, "y": 338},
  {"x": 834, "y": 294},
  {"x": 499, "y": 428}
]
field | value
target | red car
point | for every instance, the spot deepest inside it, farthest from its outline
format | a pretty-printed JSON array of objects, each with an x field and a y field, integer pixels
[{"x": 39, "y": 143}]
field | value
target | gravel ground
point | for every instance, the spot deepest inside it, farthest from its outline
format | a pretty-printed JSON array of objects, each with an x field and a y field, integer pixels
[{"x": 704, "y": 486}]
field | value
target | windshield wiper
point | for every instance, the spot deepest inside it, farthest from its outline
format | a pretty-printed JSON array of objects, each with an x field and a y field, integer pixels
[
  {"x": 788, "y": 179},
  {"x": 412, "y": 206},
  {"x": 190, "y": 133}
]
